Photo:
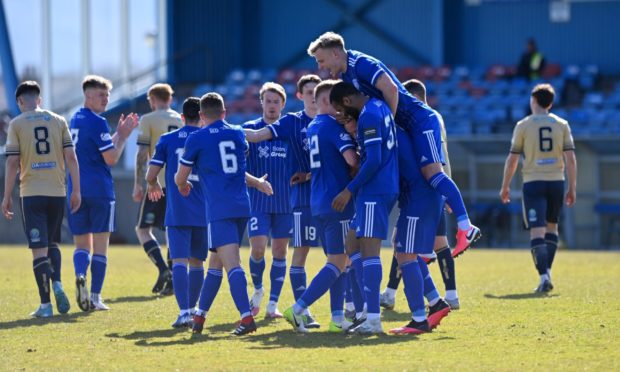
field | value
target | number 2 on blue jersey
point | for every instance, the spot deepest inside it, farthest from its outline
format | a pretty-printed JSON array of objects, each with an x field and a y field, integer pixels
[{"x": 315, "y": 161}]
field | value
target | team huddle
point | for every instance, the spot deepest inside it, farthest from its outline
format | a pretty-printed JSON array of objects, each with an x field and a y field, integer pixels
[{"x": 328, "y": 175}]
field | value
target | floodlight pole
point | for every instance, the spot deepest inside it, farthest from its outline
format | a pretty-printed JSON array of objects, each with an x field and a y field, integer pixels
[
  {"x": 125, "y": 56},
  {"x": 85, "y": 37},
  {"x": 46, "y": 62}
]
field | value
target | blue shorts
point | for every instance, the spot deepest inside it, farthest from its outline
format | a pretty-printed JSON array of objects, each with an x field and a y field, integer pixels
[
  {"x": 223, "y": 232},
  {"x": 332, "y": 229},
  {"x": 279, "y": 224},
  {"x": 417, "y": 225},
  {"x": 372, "y": 215},
  {"x": 427, "y": 142},
  {"x": 96, "y": 215},
  {"x": 187, "y": 241},
  {"x": 304, "y": 228},
  {"x": 542, "y": 202}
]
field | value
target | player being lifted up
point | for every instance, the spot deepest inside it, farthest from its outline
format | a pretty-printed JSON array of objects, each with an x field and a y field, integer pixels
[
  {"x": 374, "y": 188},
  {"x": 186, "y": 219},
  {"x": 93, "y": 222},
  {"x": 332, "y": 156},
  {"x": 546, "y": 143},
  {"x": 152, "y": 125},
  {"x": 373, "y": 78},
  {"x": 441, "y": 246},
  {"x": 271, "y": 215},
  {"x": 292, "y": 128},
  {"x": 38, "y": 145},
  {"x": 217, "y": 151}
]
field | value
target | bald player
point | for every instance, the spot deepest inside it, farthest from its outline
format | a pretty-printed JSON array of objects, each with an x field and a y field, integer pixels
[
  {"x": 152, "y": 125},
  {"x": 38, "y": 146},
  {"x": 546, "y": 144}
]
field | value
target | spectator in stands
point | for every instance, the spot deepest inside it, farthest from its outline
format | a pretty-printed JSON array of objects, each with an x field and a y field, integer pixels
[{"x": 532, "y": 62}]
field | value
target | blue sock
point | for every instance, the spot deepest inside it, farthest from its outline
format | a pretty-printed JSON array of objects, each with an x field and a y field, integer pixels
[
  {"x": 372, "y": 283},
  {"x": 153, "y": 250},
  {"x": 319, "y": 285},
  {"x": 348, "y": 295},
  {"x": 180, "y": 284},
  {"x": 277, "y": 275},
  {"x": 414, "y": 289},
  {"x": 430, "y": 291},
  {"x": 446, "y": 187},
  {"x": 210, "y": 287},
  {"x": 297, "y": 274},
  {"x": 81, "y": 260},
  {"x": 358, "y": 268},
  {"x": 356, "y": 292},
  {"x": 42, "y": 269},
  {"x": 539, "y": 253},
  {"x": 196, "y": 277},
  {"x": 552, "y": 247},
  {"x": 53, "y": 253},
  {"x": 446, "y": 267},
  {"x": 336, "y": 296},
  {"x": 97, "y": 272},
  {"x": 256, "y": 271},
  {"x": 238, "y": 290}
]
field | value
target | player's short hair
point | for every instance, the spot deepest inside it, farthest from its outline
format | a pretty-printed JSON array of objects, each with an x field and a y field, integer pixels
[
  {"x": 276, "y": 88},
  {"x": 310, "y": 78},
  {"x": 161, "y": 91},
  {"x": 29, "y": 87},
  {"x": 212, "y": 105},
  {"x": 191, "y": 109},
  {"x": 324, "y": 86},
  {"x": 416, "y": 87},
  {"x": 96, "y": 82},
  {"x": 544, "y": 94},
  {"x": 326, "y": 41},
  {"x": 341, "y": 90}
]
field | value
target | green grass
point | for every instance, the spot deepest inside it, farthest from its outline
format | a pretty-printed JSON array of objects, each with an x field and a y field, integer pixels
[{"x": 501, "y": 324}]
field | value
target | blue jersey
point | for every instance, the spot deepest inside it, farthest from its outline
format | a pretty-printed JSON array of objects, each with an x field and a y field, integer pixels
[
  {"x": 269, "y": 157},
  {"x": 413, "y": 185},
  {"x": 91, "y": 137},
  {"x": 363, "y": 72},
  {"x": 218, "y": 153},
  {"x": 292, "y": 128},
  {"x": 330, "y": 172},
  {"x": 180, "y": 210},
  {"x": 376, "y": 137}
]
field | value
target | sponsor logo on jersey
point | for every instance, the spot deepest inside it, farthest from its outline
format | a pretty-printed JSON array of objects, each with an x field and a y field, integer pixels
[
  {"x": 547, "y": 161},
  {"x": 263, "y": 151},
  {"x": 43, "y": 165},
  {"x": 370, "y": 133}
]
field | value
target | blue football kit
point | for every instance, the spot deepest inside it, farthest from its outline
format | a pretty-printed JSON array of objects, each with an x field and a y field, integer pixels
[
  {"x": 217, "y": 152},
  {"x": 91, "y": 137},
  {"x": 292, "y": 128},
  {"x": 186, "y": 219},
  {"x": 330, "y": 174},
  {"x": 376, "y": 185},
  {"x": 271, "y": 214}
]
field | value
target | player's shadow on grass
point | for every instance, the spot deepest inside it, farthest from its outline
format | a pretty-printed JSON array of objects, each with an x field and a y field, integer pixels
[
  {"x": 168, "y": 336},
  {"x": 132, "y": 299},
  {"x": 519, "y": 296},
  {"x": 289, "y": 338},
  {"x": 38, "y": 322},
  {"x": 396, "y": 316}
]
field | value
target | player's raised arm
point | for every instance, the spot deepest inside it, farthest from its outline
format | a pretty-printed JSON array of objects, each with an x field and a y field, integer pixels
[
  {"x": 257, "y": 135},
  {"x": 126, "y": 124}
]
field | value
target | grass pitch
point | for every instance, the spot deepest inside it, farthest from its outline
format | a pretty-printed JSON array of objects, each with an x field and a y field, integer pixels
[{"x": 501, "y": 324}]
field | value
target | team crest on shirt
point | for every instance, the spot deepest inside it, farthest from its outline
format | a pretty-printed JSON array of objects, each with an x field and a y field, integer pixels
[
  {"x": 532, "y": 215},
  {"x": 106, "y": 137},
  {"x": 47, "y": 118},
  {"x": 35, "y": 235},
  {"x": 263, "y": 151}
]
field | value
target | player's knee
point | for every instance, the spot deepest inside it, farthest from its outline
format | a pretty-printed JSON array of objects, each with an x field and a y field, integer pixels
[
  {"x": 279, "y": 248},
  {"x": 338, "y": 260},
  {"x": 182, "y": 261},
  {"x": 195, "y": 262},
  {"x": 403, "y": 258},
  {"x": 441, "y": 243}
]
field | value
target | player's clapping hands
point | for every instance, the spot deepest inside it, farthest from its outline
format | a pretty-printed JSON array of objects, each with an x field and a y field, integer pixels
[{"x": 126, "y": 124}]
